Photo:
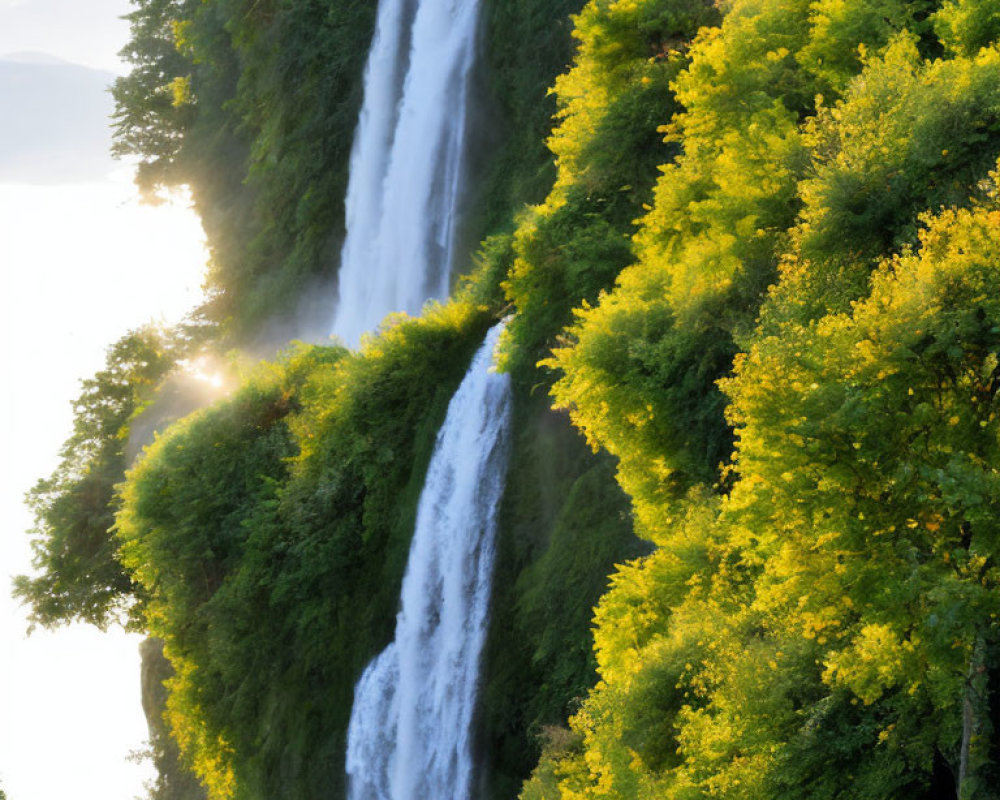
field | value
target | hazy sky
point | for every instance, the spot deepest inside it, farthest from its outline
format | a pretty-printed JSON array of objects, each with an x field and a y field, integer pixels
[
  {"x": 81, "y": 262},
  {"x": 85, "y": 32},
  {"x": 59, "y": 132}
]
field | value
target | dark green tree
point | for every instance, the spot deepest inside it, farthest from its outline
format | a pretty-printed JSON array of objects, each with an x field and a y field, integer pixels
[
  {"x": 78, "y": 573},
  {"x": 154, "y": 107}
]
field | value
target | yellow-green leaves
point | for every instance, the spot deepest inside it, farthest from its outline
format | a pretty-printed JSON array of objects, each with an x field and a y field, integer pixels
[
  {"x": 965, "y": 26},
  {"x": 819, "y": 642},
  {"x": 607, "y": 145}
]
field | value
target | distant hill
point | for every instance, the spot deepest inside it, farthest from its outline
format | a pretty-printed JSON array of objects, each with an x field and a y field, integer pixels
[
  {"x": 55, "y": 123},
  {"x": 31, "y": 57}
]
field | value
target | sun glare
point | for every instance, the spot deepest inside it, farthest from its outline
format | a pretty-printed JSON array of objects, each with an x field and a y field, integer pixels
[{"x": 206, "y": 370}]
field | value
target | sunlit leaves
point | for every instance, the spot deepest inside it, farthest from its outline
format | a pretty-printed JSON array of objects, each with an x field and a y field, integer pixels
[
  {"x": 850, "y": 582},
  {"x": 607, "y": 145},
  {"x": 965, "y": 26}
]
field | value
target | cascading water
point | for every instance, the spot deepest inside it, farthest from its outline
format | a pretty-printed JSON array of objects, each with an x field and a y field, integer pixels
[
  {"x": 407, "y": 163},
  {"x": 409, "y": 735}
]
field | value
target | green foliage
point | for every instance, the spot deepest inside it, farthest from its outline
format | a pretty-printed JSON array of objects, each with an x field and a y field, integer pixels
[
  {"x": 906, "y": 136},
  {"x": 297, "y": 99},
  {"x": 830, "y": 610},
  {"x": 511, "y": 162},
  {"x": 843, "y": 32},
  {"x": 607, "y": 147},
  {"x": 182, "y": 523},
  {"x": 561, "y": 761},
  {"x": 150, "y": 118},
  {"x": 654, "y": 346},
  {"x": 564, "y": 524},
  {"x": 965, "y": 26},
  {"x": 79, "y": 576},
  {"x": 865, "y": 447},
  {"x": 824, "y": 629},
  {"x": 270, "y": 533}
]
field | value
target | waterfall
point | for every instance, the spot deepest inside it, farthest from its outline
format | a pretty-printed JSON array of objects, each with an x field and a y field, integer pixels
[
  {"x": 407, "y": 162},
  {"x": 409, "y": 735},
  {"x": 410, "y": 728}
]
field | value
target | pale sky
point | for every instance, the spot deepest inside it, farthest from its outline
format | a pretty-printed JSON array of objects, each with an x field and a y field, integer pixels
[
  {"x": 81, "y": 263},
  {"x": 88, "y": 32}
]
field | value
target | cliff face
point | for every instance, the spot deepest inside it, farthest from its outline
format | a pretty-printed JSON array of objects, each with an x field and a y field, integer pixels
[{"x": 174, "y": 781}]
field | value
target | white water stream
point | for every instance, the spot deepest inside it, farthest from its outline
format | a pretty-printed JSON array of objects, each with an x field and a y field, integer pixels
[
  {"x": 407, "y": 164},
  {"x": 410, "y": 729}
]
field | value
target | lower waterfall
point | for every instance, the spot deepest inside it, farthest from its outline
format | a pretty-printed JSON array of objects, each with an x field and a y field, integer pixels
[{"x": 410, "y": 732}]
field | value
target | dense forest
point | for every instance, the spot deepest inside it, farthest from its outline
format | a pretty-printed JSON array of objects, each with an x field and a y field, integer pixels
[{"x": 748, "y": 544}]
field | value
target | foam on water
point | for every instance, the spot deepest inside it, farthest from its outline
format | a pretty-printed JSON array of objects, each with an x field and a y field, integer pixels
[{"x": 410, "y": 729}]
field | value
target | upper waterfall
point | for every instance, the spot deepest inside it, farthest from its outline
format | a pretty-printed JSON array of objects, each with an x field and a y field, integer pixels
[
  {"x": 410, "y": 732},
  {"x": 407, "y": 162}
]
